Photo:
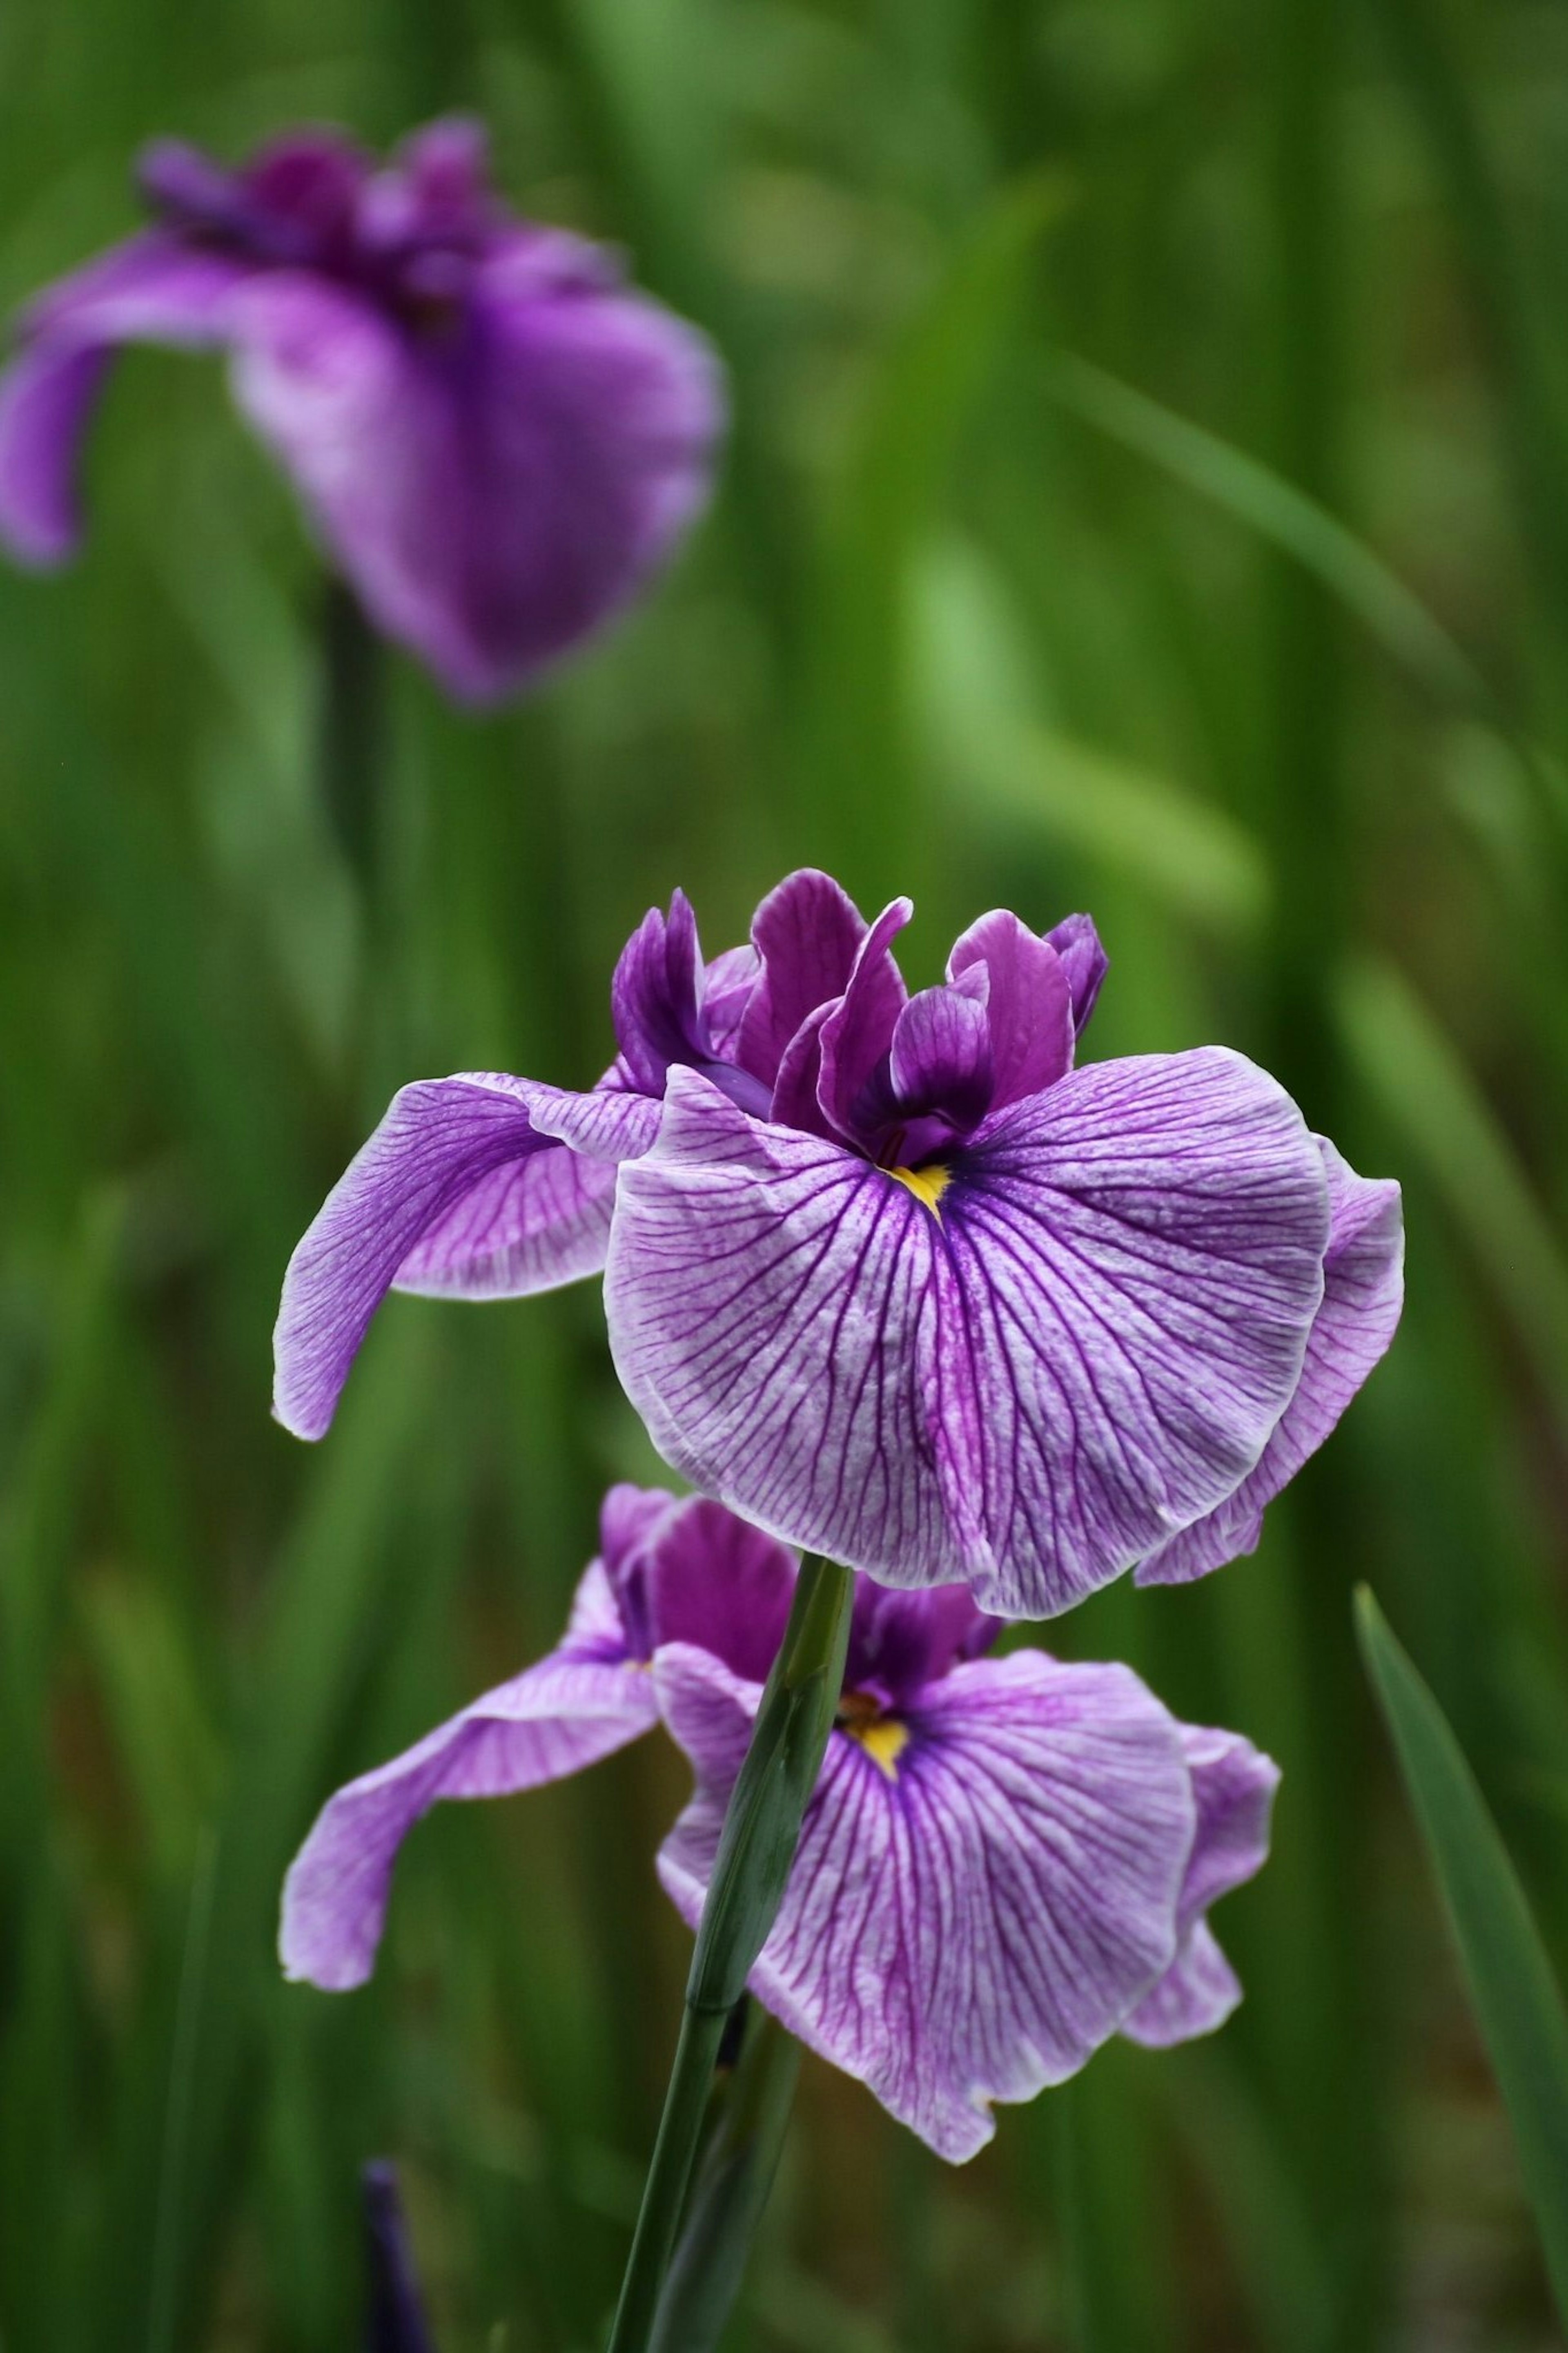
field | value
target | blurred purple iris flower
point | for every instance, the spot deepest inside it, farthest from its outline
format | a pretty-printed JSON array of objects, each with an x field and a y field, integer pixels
[
  {"x": 887, "y": 1273},
  {"x": 496, "y": 440},
  {"x": 1007, "y": 1860}
]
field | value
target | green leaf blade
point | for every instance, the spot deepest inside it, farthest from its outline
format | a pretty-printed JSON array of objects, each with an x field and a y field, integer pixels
[{"x": 1517, "y": 2001}]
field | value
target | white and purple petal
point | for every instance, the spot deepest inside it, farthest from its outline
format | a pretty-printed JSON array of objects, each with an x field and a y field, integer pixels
[
  {"x": 585, "y": 1700},
  {"x": 482, "y": 1185},
  {"x": 1233, "y": 1785},
  {"x": 1082, "y": 1347},
  {"x": 970, "y": 1921},
  {"x": 1364, "y": 1291}
]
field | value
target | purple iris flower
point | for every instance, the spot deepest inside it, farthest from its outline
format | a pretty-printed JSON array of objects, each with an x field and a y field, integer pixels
[
  {"x": 887, "y": 1273},
  {"x": 1005, "y": 1861},
  {"x": 496, "y": 440}
]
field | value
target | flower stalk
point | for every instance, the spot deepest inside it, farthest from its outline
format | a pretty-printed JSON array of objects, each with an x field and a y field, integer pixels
[{"x": 762, "y": 1830}]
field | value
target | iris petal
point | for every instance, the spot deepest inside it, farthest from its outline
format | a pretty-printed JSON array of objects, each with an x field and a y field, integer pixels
[
  {"x": 971, "y": 1924},
  {"x": 467, "y": 1186},
  {"x": 1364, "y": 1291},
  {"x": 585, "y": 1700},
  {"x": 1087, "y": 1352}
]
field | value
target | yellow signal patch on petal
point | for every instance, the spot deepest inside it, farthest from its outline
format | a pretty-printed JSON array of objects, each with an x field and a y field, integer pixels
[
  {"x": 884, "y": 1743},
  {"x": 927, "y": 1185}
]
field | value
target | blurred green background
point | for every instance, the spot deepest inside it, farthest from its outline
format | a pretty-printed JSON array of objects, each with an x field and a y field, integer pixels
[{"x": 1148, "y": 492}]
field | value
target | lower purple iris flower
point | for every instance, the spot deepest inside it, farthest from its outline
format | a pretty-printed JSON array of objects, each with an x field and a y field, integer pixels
[
  {"x": 1007, "y": 1860},
  {"x": 497, "y": 439},
  {"x": 887, "y": 1273}
]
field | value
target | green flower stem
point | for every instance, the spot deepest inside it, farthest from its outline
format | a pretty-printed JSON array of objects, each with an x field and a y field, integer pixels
[
  {"x": 756, "y": 1847},
  {"x": 731, "y": 2192}
]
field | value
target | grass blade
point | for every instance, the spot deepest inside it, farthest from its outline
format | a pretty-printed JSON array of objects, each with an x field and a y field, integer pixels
[{"x": 1517, "y": 2001}]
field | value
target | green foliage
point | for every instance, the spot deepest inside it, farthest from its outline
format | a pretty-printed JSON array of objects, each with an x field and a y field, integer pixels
[{"x": 1146, "y": 494}]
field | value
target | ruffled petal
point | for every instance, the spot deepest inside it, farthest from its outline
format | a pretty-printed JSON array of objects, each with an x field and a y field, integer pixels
[
  {"x": 1234, "y": 1786},
  {"x": 1029, "y": 1007},
  {"x": 586, "y": 1699},
  {"x": 152, "y": 289},
  {"x": 1364, "y": 1291},
  {"x": 465, "y": 1186},
  {"x": 969, "y": 1922},
  {"x": 807, "y": 932},
  {"x": 499, "y": 482},
  {"x": 1080, "y": 1348}
]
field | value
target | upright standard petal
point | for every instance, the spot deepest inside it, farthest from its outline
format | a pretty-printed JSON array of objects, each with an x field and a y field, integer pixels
[
  {"x": 498, "y": 480},
  {"x": 969, "y": 1920},
  {"x": 806, "y": 932},
  {"x": 481, "y": 1184},
  {"x": 1025, "y": 1370},
  {"x": 1084, "y": 960},
  {"x": 1029, "y": 1003},
  {"x": 1364, "y": 1291},
  {"x": 152, "y": 289},
  {"x": 588, "y": 1698},
  {"x": 1234, "y": 1786}
]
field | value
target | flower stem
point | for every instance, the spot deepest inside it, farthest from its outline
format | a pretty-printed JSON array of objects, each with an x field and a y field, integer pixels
[
  {"x": 756, "y": 1847},
  {"x": 352, "y": 732}
]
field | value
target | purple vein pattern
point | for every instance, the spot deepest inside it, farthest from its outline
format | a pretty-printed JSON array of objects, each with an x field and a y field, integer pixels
[
  {"x": 1006, "y": 1861},
  {"x": 888, "y": 1273},
  {"x": 496, "y": 440}
]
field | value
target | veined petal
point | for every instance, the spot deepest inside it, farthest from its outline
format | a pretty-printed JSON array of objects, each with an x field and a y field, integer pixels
[
  {"x": 971, "y": 1924},
  {"x": 496, "y": 485},
  {"x": 1029, "y": 1007},
  {"x": 1234, "y": 1786},
  {"x": 806, "y": 934},
  {"x": 586, "y": 1699},
  {"x": 152, "y": 289},
  {"x": 1085, "y": 1340},
  {"x": 1364, "y": 1291},
  {"x": 773, "y": 1304},
  {"x": 481, "y": 1184}
]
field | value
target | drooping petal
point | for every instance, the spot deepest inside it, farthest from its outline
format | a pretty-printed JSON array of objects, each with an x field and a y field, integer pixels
[
  {"x": 1077, "y": 943},
  {"x": 482, "y": 1184},
  {"x": 806, "y": 932},
  {"x": 1234, "y": 1786},
  {"x": 858, "y": 1032},
  {"x": 585, "y": 1700},
  {"x": 497, "y": 483},
  {"x": 1029, "y": 1007},
  {"x": 968, "y": 1922},
  {"x": 1085, "y": 1340},
  {"x": 152, "y": 289},
  {"x": 1364, "y": 1291}
]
